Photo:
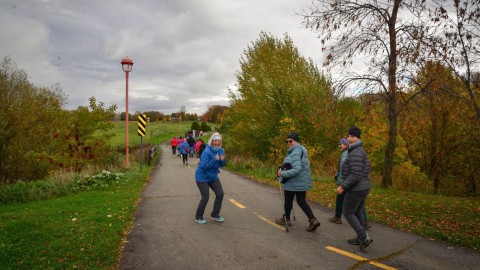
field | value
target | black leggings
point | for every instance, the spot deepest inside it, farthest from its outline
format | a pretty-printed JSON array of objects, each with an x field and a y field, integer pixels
[{"x": 301, "y": 201}]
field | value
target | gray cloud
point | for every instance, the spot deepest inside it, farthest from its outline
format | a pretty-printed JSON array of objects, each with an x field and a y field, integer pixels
[{"x": 185, "y": 53}]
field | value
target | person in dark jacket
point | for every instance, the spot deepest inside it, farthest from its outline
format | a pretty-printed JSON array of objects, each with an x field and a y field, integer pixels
[
  {"x": 206, "y": 176},
  {"x": 296, "y": 179},
  {"x": 356, "y": 182},
  {"x": 191, "y": 145}
]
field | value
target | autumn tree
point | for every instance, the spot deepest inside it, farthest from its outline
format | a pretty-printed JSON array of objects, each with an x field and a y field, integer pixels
[
  {"x": 379, "y": 35},
  {"x": 214, "y": 113},
  {"x": 455, "y": 40},
  {"x": 278, "y": 90},
  {"x": 29, "y": 115},
  {"x": 75, "y": 144},
  {"x": 440, "y": 133}
]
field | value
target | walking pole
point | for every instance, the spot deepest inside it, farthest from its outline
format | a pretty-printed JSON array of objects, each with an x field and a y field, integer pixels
[{"x": 283, "y": 200}]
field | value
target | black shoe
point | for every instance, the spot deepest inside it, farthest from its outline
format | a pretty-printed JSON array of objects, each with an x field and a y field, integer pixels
[
  {"x": 354, "y": 241},
  {"x": 367, "y": 226},
  {"x": 364, "y": 244}
]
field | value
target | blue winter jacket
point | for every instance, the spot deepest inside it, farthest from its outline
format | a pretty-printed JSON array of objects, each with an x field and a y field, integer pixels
[
  {"x": 184, "y": 147},
  {"x": 299, "y": 177},
  {"x": 209, "y": 167}
]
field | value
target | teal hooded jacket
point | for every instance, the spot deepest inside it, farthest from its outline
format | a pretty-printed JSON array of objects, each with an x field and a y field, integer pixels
[{"x": 299, "y": 177}]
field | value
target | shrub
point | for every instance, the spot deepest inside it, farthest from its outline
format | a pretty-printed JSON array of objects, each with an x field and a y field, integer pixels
[
  {"x": 101, "y": 180},
  {"x": 409, "y": 177}
]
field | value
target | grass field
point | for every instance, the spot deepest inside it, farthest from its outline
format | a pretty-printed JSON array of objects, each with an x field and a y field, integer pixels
[
  {"x": 156, "y": 132},
  {"x": 79, "y": 231}
]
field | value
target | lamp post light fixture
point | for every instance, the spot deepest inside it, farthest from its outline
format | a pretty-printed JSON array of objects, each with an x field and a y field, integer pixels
[{"x": 127, "y": 64}]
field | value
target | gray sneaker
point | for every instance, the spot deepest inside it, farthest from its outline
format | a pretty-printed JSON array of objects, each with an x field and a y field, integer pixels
[
  {"x": 365, "y": 243},
  {"x": 354, "y": 241}
]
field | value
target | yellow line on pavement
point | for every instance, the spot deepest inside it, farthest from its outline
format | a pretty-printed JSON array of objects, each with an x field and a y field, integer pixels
[
  {"x": 239, "y": 205},
  {"x": 360, "y": 258},
  {"x": 271, "y": 222}
]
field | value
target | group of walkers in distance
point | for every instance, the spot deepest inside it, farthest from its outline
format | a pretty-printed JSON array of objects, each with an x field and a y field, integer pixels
[
  {"x": 187, "y": 146},
  {"x": 352, "y": 180}
]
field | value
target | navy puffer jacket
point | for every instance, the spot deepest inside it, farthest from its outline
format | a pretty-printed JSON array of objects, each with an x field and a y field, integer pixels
[{"x": 355, "y": 169}]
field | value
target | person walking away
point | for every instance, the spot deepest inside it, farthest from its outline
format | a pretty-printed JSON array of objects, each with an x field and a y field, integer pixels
[
  {"x": 206, "y": 176},
  {"x": 197, "y": 147},
  {"x": 179, "y": 144},
  {"x": 173, "y": 143},
  {"x": 296, "y": 180},
  {"x": 356, "y": 182},
  {"x": 338, "y": 180},
  {"x": 184, "y": 150},
  {"x": 201, "y": 148},
  {"x": 191, "y": 145}
]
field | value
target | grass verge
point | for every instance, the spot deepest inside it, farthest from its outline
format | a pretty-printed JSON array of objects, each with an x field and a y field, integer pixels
[{"x": 85, "y": 230}]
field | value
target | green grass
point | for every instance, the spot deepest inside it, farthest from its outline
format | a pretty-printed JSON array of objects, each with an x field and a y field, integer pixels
[
  {"x": 83, "y": 230},
  {"x": 455, "y": 220},
  {"x": 156, "y": 132}
]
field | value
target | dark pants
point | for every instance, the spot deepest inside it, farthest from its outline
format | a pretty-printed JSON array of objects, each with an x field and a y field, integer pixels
[
  {"x": 185, "y": 158},
  {"x": 301, "y": 201},
  {"x": 339, "y": 206},
  {"x": 174, "y": 149},
  {"x": 353, "y": 205},
  {"x": 204, "y": 188}
]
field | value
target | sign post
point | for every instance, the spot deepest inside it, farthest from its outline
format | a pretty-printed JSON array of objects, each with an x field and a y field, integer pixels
[{"x": 142, "y": 122}]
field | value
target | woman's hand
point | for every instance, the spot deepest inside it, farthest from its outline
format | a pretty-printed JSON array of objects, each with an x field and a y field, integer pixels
[{"x": 340, "y": 190}]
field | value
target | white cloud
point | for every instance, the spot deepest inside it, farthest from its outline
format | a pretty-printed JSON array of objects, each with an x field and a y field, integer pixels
[{"x": 185, "y": 53}]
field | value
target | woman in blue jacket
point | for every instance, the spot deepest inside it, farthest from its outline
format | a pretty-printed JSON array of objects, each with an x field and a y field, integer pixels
[
  {"x": 296, "y": 179},
  {"x": 206, "y": 176},
  {"x": 184, "y": 150}
]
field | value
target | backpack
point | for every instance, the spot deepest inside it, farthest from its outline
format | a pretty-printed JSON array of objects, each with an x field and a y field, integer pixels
[{"x": 201, "y": 148}]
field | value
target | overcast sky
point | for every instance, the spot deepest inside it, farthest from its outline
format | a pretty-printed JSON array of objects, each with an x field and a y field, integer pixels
[{"x": 185, "y": 52}]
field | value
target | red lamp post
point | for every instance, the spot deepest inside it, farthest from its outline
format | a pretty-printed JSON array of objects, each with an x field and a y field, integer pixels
[{"x": 127, "y": 64}]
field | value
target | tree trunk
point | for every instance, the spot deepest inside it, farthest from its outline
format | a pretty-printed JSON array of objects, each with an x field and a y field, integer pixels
[
  {"x": 392, "y": 112},
  {"x": 391, "y": 144}
]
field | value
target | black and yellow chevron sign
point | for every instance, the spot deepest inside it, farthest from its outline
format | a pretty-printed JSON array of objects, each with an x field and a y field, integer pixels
[{"x": 142, "y": 122}]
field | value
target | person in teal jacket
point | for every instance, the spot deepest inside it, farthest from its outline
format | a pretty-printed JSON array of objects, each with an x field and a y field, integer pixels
[
  {"x": 296, "y": 179},
  {"x": 206, "y": 176},
  {"x": 338, "y": 180}
]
